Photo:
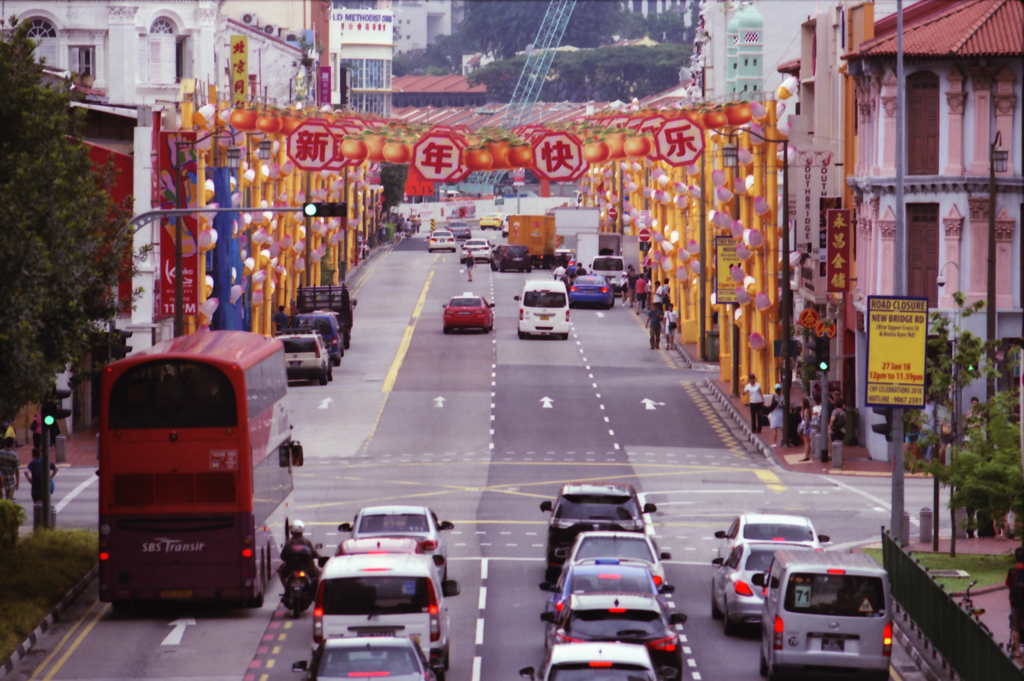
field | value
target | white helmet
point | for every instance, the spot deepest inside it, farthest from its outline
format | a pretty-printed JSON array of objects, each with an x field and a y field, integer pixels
[{"x": 298, "y": 527}]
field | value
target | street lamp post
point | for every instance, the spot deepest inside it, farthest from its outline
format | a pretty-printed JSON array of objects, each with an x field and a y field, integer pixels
[
  {"x": 956, "y": 413},
  {"x": 997, "y": 157},
  {"x": 730, "y": 159}
]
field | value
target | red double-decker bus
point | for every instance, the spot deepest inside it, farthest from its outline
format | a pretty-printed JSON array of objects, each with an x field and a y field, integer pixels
[{"x": 195, "y": 455}]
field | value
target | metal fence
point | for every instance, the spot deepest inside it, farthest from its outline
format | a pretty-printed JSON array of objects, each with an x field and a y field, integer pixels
[{"x": 967, "y": 645}]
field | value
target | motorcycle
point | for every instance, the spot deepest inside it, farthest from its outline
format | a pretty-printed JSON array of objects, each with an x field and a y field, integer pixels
[{"x": 300, "y": 589}]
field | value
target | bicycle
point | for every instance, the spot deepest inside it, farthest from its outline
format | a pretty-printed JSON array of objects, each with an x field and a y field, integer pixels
[{"x": 967, "y": 603}]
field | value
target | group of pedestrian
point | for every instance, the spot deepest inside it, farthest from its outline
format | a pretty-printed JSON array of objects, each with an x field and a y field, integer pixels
[
  {"x": 10, "y": 467},
  {"x": 661, "y": 313}
]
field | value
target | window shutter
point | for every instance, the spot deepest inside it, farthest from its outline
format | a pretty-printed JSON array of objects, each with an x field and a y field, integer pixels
[
  {"x": 915, "y": 136},
  {"x": 931, "y": 129},
  {"x": 168, "y": 59},
  {"x": 923, "y": 124},
  {"x": 154, "y": 58},
  {"x": 73, "y": 64},
  {"x": 923, "y": 251},
  {"x": 46, "y": 48},
  {"x": 143, "y": 61}
]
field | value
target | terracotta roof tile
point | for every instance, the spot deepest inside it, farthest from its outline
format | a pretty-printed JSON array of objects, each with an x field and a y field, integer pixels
[
  {"x": 971, "y": 28},
  {"x": 450, "y": 84}
]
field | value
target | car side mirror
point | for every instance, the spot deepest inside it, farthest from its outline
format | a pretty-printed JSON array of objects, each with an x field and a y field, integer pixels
[
  {"x": 345, "y": 527},
  {"x": 720, "y": 534},
  {"x": 718, "y": 561},
  {"x": 546, "y": 586},
  {"x": 449, "y": 588},
  {"x": 300, "y": 666},
  {"x": 757, "y": 579},
  {"x": 667, "y": 673},
  {"x": 526, "y": 672},
  {"x": 515, "y": 297},
  {"x": 490, "y": 304},
  {"x": 824, "y": 538},
  {"x": 548, "y": 617},
  {"x": 438, "y": 560},
  {"x": 545, "y": 505},
  {"x": 318, "y": 546},
  {"x": 445, "y": 525},
  {"x": 561, "y": 554},
  {"x": 650, "y": 508},
  {"x": 665, "y": 555},
  {"x": 677, "y": 618},
  {"x": 666, "y": 589},
  {"x": 444, "y": 306},
  {"x": 322, "y": 560}
]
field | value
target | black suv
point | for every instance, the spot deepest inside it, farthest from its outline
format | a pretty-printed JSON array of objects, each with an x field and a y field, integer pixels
[
  {"x": 585, "y": 507},
  {"x": 514, "y": 257},
  {"x": 626, "y": 618}
]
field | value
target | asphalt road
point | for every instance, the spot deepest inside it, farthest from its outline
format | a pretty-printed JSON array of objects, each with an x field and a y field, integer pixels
[{"x": 482, "y": 427}]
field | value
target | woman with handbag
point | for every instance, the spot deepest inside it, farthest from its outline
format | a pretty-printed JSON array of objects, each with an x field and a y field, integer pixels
[{"x": 776, "y": 413}]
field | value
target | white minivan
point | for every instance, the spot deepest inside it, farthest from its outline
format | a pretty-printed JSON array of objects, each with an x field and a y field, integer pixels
[
  {"x": 386, "y": 595},
  {"x": 543, "y": 309}
]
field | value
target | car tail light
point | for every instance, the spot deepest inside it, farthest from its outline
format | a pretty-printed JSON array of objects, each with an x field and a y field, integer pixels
[
  {"x": 559, "y": 605},
  {"x": 317, "y": 349},
  {"x": 318, "y": 615},
  {"x": 657, "y": 580},
  {"x": 743, "y": 589},
  {"x": 572, "y": 288},
  {"x": 667, "y": 644},
  {"x": 566, "y": 315},
  {"x": 334, "y": 342},
  {"x": 299, "y": 573},
  {"x": 600, "y": 663},
  {"x": 887, "y": 640},
  {"x": 362, "y": 674},
  {"x": 777, "y": 639},
  {"x": 520, "y": 314},
  {"x": 836, "y": 572},
  {"x": 617, "y": 610},
  {"x": 435, "y": 617},
  {"x": 604, "y": 289},
  {"x": 609, "y": 576},
  {"x": 428, "y": 545}
]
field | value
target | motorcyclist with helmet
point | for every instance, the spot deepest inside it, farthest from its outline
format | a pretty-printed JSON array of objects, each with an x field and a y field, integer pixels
[{"x": 299, "y": 553}]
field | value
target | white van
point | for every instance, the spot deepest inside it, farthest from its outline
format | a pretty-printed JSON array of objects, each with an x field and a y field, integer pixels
[
  {"x": 612, "y": 268},
  {"x": 543, "y": 309},
  {"x": 825, "y": 612},
  {"x": 385, "y": 595}
]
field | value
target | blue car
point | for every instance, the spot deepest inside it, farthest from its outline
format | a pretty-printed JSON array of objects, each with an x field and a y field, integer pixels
[
  {"x": 593, "y": 290},
  {"x": 605, "y": 575}
]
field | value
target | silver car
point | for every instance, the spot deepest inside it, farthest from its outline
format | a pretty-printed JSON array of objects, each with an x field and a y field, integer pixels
[
  {"x": 404, "y": 521},
  {"x": 769, "y": 527},
  {"x": 631, "y": 546},
  {"x": 734, "y": 597},
  {"x": 399, "y": 658}
]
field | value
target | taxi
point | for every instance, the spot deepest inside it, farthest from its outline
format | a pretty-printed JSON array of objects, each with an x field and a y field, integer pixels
[
  {"x": 491, "y": 221},
  {"x": 468, "y": 311}
]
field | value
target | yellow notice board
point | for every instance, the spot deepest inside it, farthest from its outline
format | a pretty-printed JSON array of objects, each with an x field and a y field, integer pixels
[
  {"x": 725, "y": 258},
  {"x": 897, "y": 348}
]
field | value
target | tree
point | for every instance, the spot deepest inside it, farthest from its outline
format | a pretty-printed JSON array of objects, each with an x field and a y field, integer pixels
[
  {"x": 664, "y": 27},
  {"x": 392, "y": 178},
  {"x": 64, "y": 245},
  {"x": 442, "y": 57}
]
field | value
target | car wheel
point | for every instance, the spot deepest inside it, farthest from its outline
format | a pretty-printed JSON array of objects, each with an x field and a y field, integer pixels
[
  {"x": 716, "y": 614},
  {"x": 522, "y": 336},
  {"x": 447, "y": 331},
  {"x": 731, "y": 628},
  {"x": 348, "y": 339},
  {"x": 330, "y": 372},
  {"x": 323, "y": 377},
  {"x": 336, "y": 361},
  {"x": 529, "y": 269},
  {"x": 764, "y": 667},
  {"x": 565, "y": 336},
  {"x": 501, "y": 269}
]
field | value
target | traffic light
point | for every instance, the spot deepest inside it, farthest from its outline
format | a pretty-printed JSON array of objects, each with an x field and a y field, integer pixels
[
  {"x": 52, "y": 409},
  {"x": 325, "y": 210},
  {"x": 821, "y": 350},
  {"x": 119, "y": 347},
  {"x": 886, "y": 427}
]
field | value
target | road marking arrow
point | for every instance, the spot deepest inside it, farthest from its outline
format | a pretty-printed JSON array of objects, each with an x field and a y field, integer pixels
[
  {"x": 174, "y": 638},
  {"x": 547, "y": 402},
  {"x": 649, "y": 403},
  {"x": 439, "y": 402},
  {"x": 324, "y": 402}
]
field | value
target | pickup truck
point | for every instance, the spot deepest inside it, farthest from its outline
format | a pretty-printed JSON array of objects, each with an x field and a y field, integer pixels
[{"x": 333, "y": 298}]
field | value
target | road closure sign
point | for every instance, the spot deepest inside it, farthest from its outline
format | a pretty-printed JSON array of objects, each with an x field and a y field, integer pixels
[{"x": 897, "y": 348}]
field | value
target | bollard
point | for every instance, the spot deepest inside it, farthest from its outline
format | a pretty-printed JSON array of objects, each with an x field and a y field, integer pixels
[
  {"x": 961, "y": 523},
  {"x": 906, "y": 528},
  {"x": 926, "y": 525},
  {"x": 837, "y": 455},
  {"x": 62, "y": 449},
  {"x": 37, "y": 516},
  {"x": 815, "y": 443}
]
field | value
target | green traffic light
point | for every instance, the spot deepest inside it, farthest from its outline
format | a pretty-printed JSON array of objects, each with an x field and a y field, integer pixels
[
  {"x": 823, "y": 366},
  {"x": 48, "y": 420},
  {"x": 309, "y": 209}
]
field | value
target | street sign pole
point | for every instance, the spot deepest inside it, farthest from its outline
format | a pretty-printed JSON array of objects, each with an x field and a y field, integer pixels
[
  {"x": 309, "y": 234},
  {"x": 900, "y": 281}
]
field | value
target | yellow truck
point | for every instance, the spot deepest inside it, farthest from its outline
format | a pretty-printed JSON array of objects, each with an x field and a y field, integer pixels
[{"x": 537, "y": 233}]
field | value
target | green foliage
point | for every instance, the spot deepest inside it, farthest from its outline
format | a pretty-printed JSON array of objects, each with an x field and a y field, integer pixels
[
  {"x": 62, "y": 250},
  {"x": 327, "y": 267},
  {"x": 36, "y": 575},
  {"x": 664, "y": 27},
  {"x": 392, "y": 178},
  {"x": 442, "y": 58},
  {"x": 603, "y": 74},
  {"x": 12, "y": 517},
  {"x": 987, "y": 569}
]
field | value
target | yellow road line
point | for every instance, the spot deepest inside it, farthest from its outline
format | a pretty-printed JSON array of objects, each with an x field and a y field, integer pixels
[
  {"x": 389, "y": 382},
  {"x": 74, "y": 646},
  {"x": 772, "y": 480},
  {"x": 64, "y": 639}
]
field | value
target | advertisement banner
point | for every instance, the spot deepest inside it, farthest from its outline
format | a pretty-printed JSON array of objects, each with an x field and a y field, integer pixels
[
  {"x": 837, "y": 273},
  {"x": 725, "y": 258},
  {"x": 239, "y": 69},
  {"x": 323, "y": 86},
  {"x": 164, "y": 293},
  {"x": 364, "y": 27},
  {"x": 897, "y": 330}
]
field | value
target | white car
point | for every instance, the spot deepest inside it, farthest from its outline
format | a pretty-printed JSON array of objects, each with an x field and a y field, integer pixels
[
  {"x": 616, "y": 546},
  {"x": 480, "y": 248},
  {"x": 404, "y": 521},
  {"x": 603, "y": 661},
  {"x": 543, "y": 309},
  {"x": 442, "y": 241},
  {"x": 769, "y": 527},
  {"x": 306, "y": 356}
]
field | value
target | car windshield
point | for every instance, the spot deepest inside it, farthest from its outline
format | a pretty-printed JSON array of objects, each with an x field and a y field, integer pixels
[
  {"x": 544, "y": 299},
  {"x": 836, "y": 595},
  {"x": 295, "y": 345},
  {"x": 398, "y": 522},
  {"x": 614, "y": 623},
  {"x": 777, "y": 532},
  {"x": 584, "y": 671},
  {"x": 597, "y": 507},
  {"x": 377, "y": 595},
  {"x": 465, "y": 302},
  {"x": 606, "y": 264},
  {"x": 590, "y": 281},
  {"x": 610, "y": 579},
  {"x": 759, "y": 560},
  {"x": 615, "y": 547},
  {"x": 368, "y": 661},
  {"x": 516, "y": 250}
]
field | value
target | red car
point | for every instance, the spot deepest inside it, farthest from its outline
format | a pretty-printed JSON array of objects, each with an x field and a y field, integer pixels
[{"x": 468, "y": 312}]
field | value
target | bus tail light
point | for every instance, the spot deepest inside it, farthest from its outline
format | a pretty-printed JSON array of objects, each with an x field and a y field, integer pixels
[
  {"x": 246, "y": 553},
  {"x": 435, "y": 614},
  {"x": 887, "y": 640},
  {"x": 777, "y": 638},
  {"x": 104, "y": 555}
]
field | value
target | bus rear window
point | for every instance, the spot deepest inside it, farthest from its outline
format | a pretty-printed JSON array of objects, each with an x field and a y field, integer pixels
[{"x": 172, "y": 393}]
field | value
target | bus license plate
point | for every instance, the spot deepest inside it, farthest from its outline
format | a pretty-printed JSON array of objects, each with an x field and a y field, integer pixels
[
  {"x": 176, "y": 593},
  {"x": 832, "y": 645}
]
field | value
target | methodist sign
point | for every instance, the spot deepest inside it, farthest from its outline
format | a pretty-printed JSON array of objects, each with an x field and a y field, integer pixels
[{"x": 897, "y": 330}]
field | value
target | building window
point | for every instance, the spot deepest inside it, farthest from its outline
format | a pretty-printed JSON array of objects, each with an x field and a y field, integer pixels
[
  {"x": 82, "y": 60},
  {"x": 923, "y": 123},
  {"x": 746, "y": 62},
  {"x": 43, "y": 33},
  {"x": 923, "y": 251},
  {"x": 162, "y": 56},
  {"x": 755, "y": 61}
]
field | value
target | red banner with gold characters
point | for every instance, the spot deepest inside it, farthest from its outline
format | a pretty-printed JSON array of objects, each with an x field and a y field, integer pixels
[
  {"x": 239, "y": 69},
  {"x": 840, "y": 254}
]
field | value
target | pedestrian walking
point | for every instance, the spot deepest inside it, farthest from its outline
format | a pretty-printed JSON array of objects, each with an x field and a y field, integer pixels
[
  {"x": 281, "y": 319},
  {"x": 641, "y": 294},
  {"x": 672, "y": 320},
  {"x": 656, "y": 298},
  {"x": 10, "y": 470},
  {"x": 805, "y": 427},
  {"x": 776, "y": 413},
  {"x": 37, "y": 431},
  {"x": 469, "y": 265},
  {"x": 753, "y": 389},
  {"x": 1015, "y": 580},
  {"x": 629, "y": 289},
  {"x": 35, "y": 477},
  {"x": 654, "y": 318}
]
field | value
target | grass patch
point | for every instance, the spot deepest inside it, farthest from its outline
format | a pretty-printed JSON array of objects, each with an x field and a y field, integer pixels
[
  {"x": 36, "y": 575},
  {"x": 987, "y": 569}
]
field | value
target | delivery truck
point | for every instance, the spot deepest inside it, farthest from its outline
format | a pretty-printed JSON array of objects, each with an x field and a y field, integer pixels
[{"x": 537, "y": 233}]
